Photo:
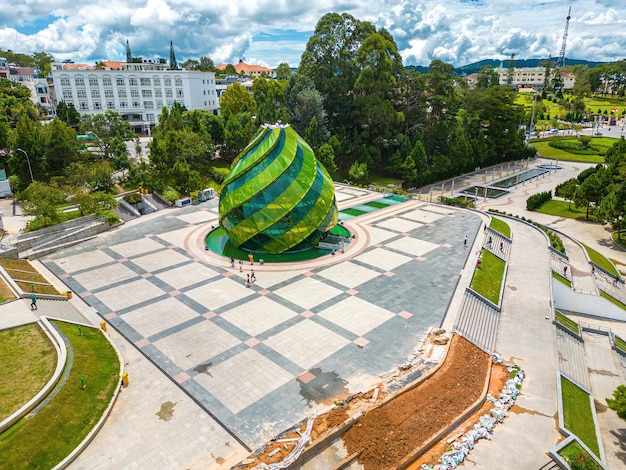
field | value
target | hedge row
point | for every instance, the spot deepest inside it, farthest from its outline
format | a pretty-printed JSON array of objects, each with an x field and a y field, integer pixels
[{"x": 536, "y": 200}]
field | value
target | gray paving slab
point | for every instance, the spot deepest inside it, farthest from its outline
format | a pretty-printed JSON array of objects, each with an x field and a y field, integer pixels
[{"x": 259, "y": 359}]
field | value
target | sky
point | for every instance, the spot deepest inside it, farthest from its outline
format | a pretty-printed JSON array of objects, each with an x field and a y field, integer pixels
[{"x": 271, "y": 32}]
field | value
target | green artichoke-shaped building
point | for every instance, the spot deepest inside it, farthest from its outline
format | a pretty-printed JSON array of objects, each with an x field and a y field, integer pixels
[{"x": 277, "y": 197}]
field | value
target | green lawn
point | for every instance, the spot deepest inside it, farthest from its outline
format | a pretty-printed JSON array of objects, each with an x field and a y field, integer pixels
[
  {"x": 487, "y": 279},
  {"x": 30, "y": 357},
  {"x": 573, "y": 453},
  {"x": 620, "y": 343},
  {"x": 577, "y": 414},
  {"x": 552, "y": 153},
  {"x": 566, "y": 322},
  {"x": 564, "y": 280},
  {"x": 50, "y": 435},
  {"x": 562, "y": 209},
  {"x": 500, "y": 226},
  {"x": 600, "y": 260}
]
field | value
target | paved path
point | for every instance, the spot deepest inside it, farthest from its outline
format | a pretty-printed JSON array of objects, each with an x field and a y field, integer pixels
[
  {"x": 527, "y": 337},
  {"x": 579, "y": 267},
  {"x": 188, "y": 322},
  {"x": 243, "y": 364}
]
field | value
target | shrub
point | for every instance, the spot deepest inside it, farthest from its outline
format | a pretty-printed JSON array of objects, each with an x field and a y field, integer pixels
[
  {"x": 457, "y": 201},
  {"x": 536, "y": 200},
  {"x": 133, "y": 198},
  {"x": 170, "y": 194}
]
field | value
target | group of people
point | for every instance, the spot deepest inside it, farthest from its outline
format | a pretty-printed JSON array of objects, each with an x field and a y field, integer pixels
[{"x": 250, "y": 277}]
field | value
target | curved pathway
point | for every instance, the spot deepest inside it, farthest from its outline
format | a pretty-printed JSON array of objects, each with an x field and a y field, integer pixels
[
  {"x": 579, "y": 267},
  {"x": 526, "y": 337}
]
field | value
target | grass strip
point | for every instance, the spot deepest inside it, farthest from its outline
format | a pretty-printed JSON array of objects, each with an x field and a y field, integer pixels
[
  {"x": 620, "y": 343},
  {"x": 487, "y": 279},
  {"x": 566, "y": 322},
  {"x": 621, "y": 240},
  {"x": 500, "y": 226},
  {"x": 577, "y": 414},
  {"x": 561, "y": 278},
  {"x": 562, "y": 209},
  {"x": 27, "y": 353},
  {"x": 599, "y": 259},
  {"x": 50, "y": 435},
  {"x": 577, "y": 457}
]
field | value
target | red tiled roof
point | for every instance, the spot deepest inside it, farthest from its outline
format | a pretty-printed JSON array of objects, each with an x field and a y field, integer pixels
[{"x": 246, "y": 68}]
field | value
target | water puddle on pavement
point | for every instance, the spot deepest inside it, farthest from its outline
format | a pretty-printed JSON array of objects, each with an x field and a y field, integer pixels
[
  {"x": 325, "y": 387},
  {"x": 167, "y": 411}
]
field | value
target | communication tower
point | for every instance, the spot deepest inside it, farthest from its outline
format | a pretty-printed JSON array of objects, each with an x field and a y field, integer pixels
[{"x": 561, "y": 62}]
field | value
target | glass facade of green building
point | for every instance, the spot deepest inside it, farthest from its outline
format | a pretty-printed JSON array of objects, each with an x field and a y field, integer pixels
[{"x": 277, "y": 196}]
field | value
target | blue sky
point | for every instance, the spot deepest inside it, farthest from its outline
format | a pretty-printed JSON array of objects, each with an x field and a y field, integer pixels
[{"x": 270, "y": 32}]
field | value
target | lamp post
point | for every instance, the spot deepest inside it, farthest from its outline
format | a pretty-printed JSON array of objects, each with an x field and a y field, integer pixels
[
  {"x": 99, "y": 142},
  {"x": 30, "y": 170}
]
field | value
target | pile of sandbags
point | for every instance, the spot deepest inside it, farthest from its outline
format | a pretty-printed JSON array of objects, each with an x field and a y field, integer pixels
[{"x": 462, "y": 446}]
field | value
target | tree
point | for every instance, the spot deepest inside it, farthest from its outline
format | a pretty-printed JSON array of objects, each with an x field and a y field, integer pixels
[
  {"x": 326, "y": 156},
  {"x": 68, "y": 114},
  {"x": 487, "y": 77},
  {"x": 375, "y": 97},
  {"x": 93, "y": 203},
  {"x": 618, "y": 402},
  {"x": 329, "y": 60},
  {"x": 358, "y": 171},
  {"x": 235, "y": 100},
  {"x": 183, "y": 178},
  {"x": 283, "y": 71},
  {"x": 589, "y": 191},
  {"x": 269, "y": 98},
  {"x": 42, "y": 202},
  {"x": 567, "y": 189},
  {"x": 28, "y": 137},
  {"x": 304, "y": 103},
  {"x": 60, "y": 146}
]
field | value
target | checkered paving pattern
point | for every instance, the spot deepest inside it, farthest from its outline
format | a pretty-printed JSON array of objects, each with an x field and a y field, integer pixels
[{"x": 245, "y": 353}]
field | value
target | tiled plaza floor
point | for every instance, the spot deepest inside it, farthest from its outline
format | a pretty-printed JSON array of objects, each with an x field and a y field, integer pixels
[{"x": 259, "y": 359}]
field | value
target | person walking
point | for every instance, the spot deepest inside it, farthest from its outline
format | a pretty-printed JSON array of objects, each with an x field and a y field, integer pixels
[
  {"x": 501, "y": 246},
  {"x": 465, "y": 242},
  {"x": 251, "y": 258},
  {"x": 33, "y": 301},
  {"x": 232, "y": 262},
  {"x": 248, "y": 280},
  {"x": 252, "y": 276}
]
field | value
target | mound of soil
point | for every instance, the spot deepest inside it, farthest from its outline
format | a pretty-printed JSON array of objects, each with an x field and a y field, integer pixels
[{"x": 385, "y": 436}]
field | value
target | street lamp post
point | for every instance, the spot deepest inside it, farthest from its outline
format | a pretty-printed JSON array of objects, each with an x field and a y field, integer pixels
[
  {"x": 99, "y": 142},
  {"x": 30, "y": 170}
]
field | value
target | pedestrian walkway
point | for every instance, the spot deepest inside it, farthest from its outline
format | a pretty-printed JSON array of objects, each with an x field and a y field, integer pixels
[
  {"x": 579, "y": 267},
  {"x": 527, "y": 338},
  {"x": 301, "y": 335},
  {"x": 58, "y": 309}
]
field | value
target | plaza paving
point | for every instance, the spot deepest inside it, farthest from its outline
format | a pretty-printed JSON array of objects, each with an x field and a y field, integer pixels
[{"x": 259, "y": 359}]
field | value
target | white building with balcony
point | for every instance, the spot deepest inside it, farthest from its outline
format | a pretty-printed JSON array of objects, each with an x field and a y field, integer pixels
[{"x": 137, "y": 91}]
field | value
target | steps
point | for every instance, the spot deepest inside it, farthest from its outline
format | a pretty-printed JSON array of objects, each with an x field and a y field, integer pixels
[
  {"x": 478, "y": 322},
  {"x": 497, "y": 240},
  {"x": 571, "y": 356},
  {"x": 59, "y": 309}
]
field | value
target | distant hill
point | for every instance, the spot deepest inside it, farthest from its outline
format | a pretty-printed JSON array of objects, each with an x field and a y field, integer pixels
[{"x": 476, "y": 66}]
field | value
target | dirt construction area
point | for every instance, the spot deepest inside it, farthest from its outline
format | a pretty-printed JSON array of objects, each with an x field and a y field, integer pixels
[{"x": 389, "y": 433}]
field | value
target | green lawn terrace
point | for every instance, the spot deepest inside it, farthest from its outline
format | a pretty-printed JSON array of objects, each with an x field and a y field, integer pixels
[{"x": 277, "y": 197}]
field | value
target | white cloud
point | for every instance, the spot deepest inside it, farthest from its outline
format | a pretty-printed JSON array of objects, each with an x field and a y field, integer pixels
[{"x": 458, "y": 31}]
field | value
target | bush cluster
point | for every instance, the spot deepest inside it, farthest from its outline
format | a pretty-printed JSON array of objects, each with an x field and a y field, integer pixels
[
  {"x": 457, "y": 202},
  {"x": 537, "y": 200}
]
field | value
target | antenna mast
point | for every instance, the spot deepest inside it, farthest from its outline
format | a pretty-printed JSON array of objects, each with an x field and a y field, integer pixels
[{"x": 561, "y": 62}]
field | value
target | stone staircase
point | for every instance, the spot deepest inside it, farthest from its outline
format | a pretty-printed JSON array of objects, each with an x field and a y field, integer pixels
[
  {"x": 571, "y": 355},
  {"x": 496, "y": 240},
  {"x": 478, "y": 321}
]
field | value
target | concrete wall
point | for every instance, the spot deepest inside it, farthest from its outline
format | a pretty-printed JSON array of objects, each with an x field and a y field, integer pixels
[{"x": 566, "y": 299}]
